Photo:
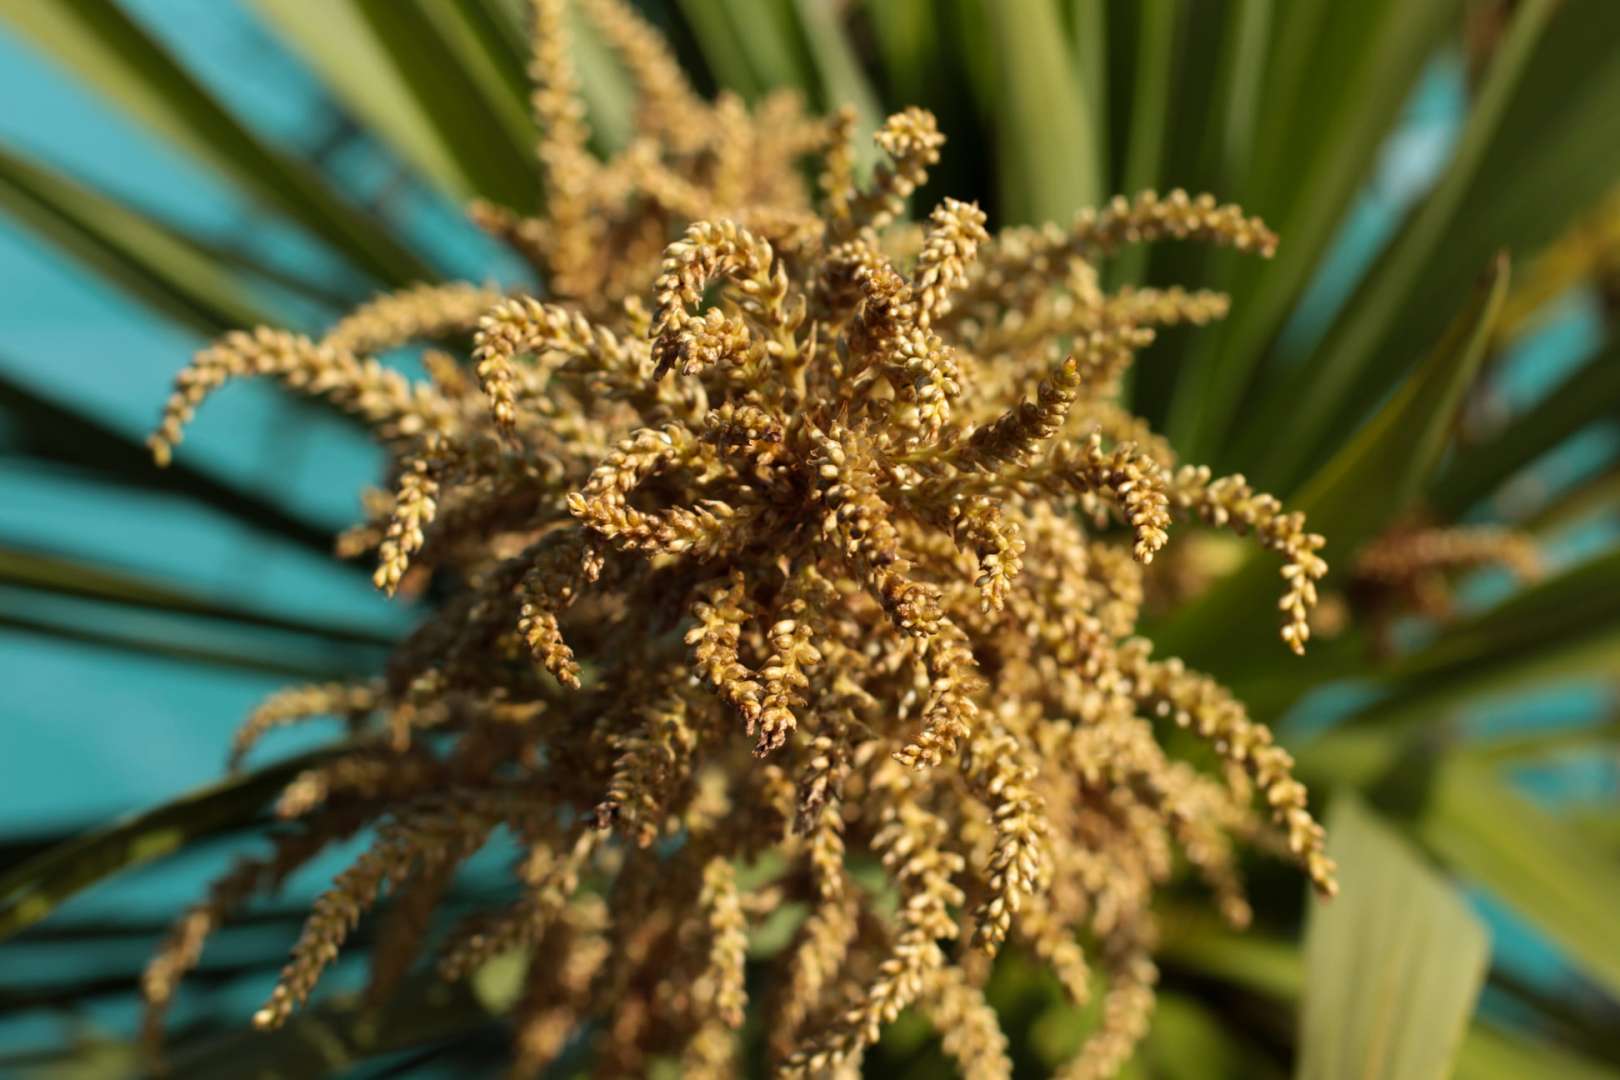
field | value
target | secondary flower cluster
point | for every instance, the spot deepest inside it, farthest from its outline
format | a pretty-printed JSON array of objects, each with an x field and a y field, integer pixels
[{"x": 791, "y": 558}]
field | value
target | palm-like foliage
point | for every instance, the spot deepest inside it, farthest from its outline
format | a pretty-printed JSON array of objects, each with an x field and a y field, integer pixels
[{"x": 1375, "y": 418}]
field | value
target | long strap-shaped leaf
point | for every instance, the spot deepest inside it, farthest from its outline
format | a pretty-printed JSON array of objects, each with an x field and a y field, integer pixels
[
  {"x": 164, "y": 637},
  {"x": 336, "y": 39},
  {"x": 338, "y": 1035},
  {"x": 111, "y": 52},
  {"x": 1568, "y": 625},
  {"x": 47, "y": 430},
  {"x": 1491, "y": 835},
  {"x": 1336, "y": 78},
  {"x": 1088, "y": 21},
  {"x": 395, "y": 67},
  {"x": 158, "y": 266},
  {"x": 1318, "y": 400},
  {"x": 1157, "y": 28},
  {"x": 1392, "y": 965},
  {"x": 1274, "y": 968},
  {"x": 67, "y": 577},
  {"x": 1046, "y": 152},
  {"x": 1555, "y": 154},
  {"x": 843, "y": 81},
  {"x": 1579, "y": 503},
  {"x": 1591, "y": 393},
  {"x": 31, "y": 891}
]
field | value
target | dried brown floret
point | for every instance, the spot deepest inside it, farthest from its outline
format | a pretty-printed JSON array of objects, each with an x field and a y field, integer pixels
[
  {"x": 998, "y": 774},
  {"x": 956, "y": 230},
  {"x": 422, "y": 843},
  {"x": 908, "y": 842},
  {"x": 1176, "y": 216},
  {"x": 378, "y": 396},
  {"x": 1013, "y": 437},
  {"x": 720, "y": 986},
  {"x": 421, "y": 311},
  {"x": 415, "y": 503},
  {"x": 653, "y": 760},
  {"x": 816, "y": 958},
  {"x": 1127, "y": 1007},
  {"x": 1229, "y": 502},
  {"x": 969, "y": 1031},
  {"x": 665, "y": 103},
  {"x": 566, "y": 165},
  {"x": 911, "y": 140},
  {"x": 248, "y": 878},
  {"x": 300, "y": 703},
  {"x": 707, "y": 252}
]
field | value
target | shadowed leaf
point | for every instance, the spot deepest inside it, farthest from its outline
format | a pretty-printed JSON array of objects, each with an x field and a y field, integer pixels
[
  {"x": 30, "y": 892},
  {"x": 158, "y": 266},
  {"x": 103, "y": 46},
  {"x": 1046, "y": 156}
]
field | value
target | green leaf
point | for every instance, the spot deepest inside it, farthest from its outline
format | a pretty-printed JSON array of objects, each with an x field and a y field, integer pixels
[
  {"x": 1379, "y": 472},
  {"x": 67, "y": 577},
  {"x": 493, "y": 54},
  {"x": 1235, "y": 108},
  {"x": 1320, "y": 398},
  {"x": 1598, "y": 827},
  {"x": 1580, "y": 502},
  {"x": 1153, "y": 79},
  {"x": 47, "y": 430},
  {"x": 1559, "y": 743},
  {"x": 157, "y": 265},
  {"x": 1189, "y": 1040},
  {"x": 445, "y": 65},
  {"x": 1486, "y": 832},
  {"x": 1152, "y": 82},
  {"x": 109, "y": 51},
  {"x": 1493, "y": 1054},
  {"x": 764, "y": 31},
  {"x": 237, "y": 652},
  {"x": 843, "y": 81},
  {"x": 907, "y": 34},
  {"x": 1365, "y": 485},
  {"x": 1529, "y": 859},
  {"x": 1275, "y": 969},
  {"x": 1555, "y": 154},
  {"x": 31, "y": 891},
  {"x": 1392, "y": 965},
  {"x": 1590, "y": 394},
  {"x": 337, "y": 1035},
  {"x": 1567, "y": 625},
  {"x": 387, "y": 71},
  {"x": 1046, "y": 150},
  {"x": 1336, "y": 77},
  {"x": 722, "y": 46},
  {"x": 1198, "y": 941},
  {"x": 1089, "y": 19},
  {"x": 85, "y": 1058}
]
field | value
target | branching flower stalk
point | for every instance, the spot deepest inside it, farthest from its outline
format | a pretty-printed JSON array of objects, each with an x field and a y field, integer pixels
[{"x": 777, "y": 533}]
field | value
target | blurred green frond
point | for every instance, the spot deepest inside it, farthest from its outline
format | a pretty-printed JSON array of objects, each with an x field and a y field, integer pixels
[
  {"x": 100, "y": 44},
  {"x": 1392, "y": 966},
  {"x": 30, "y": 891}
]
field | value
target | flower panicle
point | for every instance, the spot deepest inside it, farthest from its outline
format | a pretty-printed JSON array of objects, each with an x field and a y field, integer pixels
[{"x": 778, "y": 538}]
